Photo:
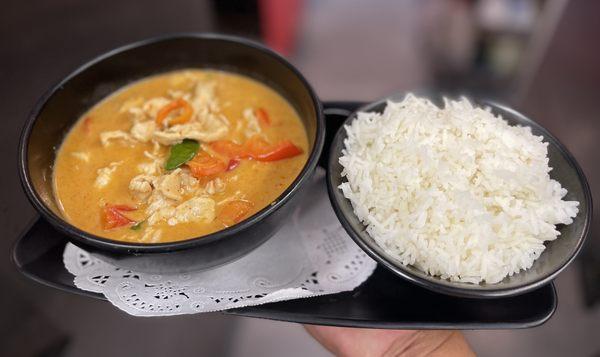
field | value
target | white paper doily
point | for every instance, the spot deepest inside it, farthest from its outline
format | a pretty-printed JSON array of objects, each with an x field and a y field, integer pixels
[{"x": 312, "y": 255}]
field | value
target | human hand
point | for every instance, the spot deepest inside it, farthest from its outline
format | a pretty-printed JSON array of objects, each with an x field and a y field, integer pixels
[{"x": 350, "y": 342}]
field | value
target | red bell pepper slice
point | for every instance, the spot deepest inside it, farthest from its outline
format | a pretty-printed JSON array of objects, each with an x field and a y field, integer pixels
[
  {"x": 262, "y": 151},
  {"x": 256, "y": 148},
  {"x": 233, "y": 163},
  {"x": 234, "y": 212},
  {"x": 229, "y": 149},
  {"x": 183, "y": 117},
  {"x": 114, "y": 218},
  {"x": 205, "y": 165}
]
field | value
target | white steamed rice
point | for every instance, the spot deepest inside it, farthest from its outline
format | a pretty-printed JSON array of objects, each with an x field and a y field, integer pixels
[{"x": 454, "y": 191}]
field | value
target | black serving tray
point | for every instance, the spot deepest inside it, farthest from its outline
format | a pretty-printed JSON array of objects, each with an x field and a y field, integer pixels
[{"x": 383, "y": 301}]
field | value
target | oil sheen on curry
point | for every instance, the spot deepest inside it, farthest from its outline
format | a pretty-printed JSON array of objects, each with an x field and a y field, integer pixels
[{"x": 177, "y": 156}]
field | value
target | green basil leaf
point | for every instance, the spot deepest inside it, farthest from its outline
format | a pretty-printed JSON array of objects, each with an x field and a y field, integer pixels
[
  {"x": 137, "y": 226},
  {"x": 182, "y": 153}
]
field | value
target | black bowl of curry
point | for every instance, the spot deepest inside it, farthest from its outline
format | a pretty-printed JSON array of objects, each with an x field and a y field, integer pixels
[{"x": 175, "y": 153}]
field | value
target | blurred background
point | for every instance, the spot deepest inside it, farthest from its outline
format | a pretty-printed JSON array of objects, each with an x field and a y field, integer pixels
[{"x": 540, "y": 56}]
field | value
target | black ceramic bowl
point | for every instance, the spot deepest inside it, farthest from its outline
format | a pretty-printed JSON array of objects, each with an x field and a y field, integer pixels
[
  {"x": 56, "y": 112},
  {"x": 558, "y": 254}
]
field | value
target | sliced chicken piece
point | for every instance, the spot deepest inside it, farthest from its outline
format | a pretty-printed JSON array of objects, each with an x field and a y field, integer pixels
[
  {"x": 201, "y": 209},
  {"x": 141, "y": 186},
  {"x": 137, "y": 114},
  {"x": 152, "y": 106},
  {"x": 105, "y": 174},
  {"x": 252, "y": 126},
  {"x": 216, "y": 122},
  {"x": 151, "y": 235},
  {"x": 161, "y": 214},
  {"x": 204, "y": 100},
  {"x": 107, "y": 137},
  {"x": 153, "y": 168},
  {"x": 170, "y": 185},
  {"x": 143, "y": 131},
  {"x": 206, "y": 132},
  {"x": 189, "y": 184},
  {"x": 215, "y": 186},
  {"x": 156, "y": 202},
  {"x": 159, "y": 208}
]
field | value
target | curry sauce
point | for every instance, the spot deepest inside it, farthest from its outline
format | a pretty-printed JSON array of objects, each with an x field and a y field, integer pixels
[{"x": 177, "y": 156}]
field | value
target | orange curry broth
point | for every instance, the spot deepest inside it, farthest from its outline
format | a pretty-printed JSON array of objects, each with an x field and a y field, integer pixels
[{"x": 82, "y": 203}]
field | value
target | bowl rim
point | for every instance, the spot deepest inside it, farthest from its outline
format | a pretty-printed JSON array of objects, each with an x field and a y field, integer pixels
[
  {"x": 450, "y": 288},
  {"x": 91, "y": 240}
]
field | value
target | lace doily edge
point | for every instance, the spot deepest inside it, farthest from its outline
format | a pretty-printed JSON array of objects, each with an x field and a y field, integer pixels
[{"x": 275, "y": 296}]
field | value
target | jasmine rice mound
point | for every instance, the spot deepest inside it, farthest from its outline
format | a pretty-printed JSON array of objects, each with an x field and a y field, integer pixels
[{"x": 456, "y": 191}]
